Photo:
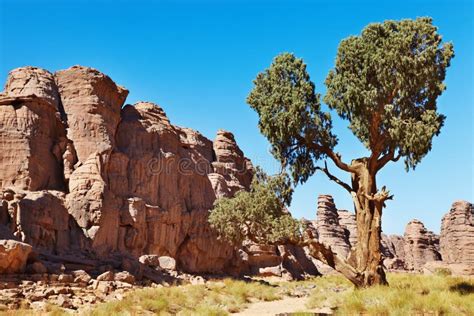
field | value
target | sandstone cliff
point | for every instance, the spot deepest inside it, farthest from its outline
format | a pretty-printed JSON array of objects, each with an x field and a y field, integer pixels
[{"x": 82, "y": 173}]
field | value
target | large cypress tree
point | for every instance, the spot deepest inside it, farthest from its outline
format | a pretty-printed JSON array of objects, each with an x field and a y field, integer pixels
[{"x": 385, "y": 83}]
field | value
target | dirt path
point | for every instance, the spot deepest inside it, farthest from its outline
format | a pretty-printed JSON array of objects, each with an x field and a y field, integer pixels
[{"x": 286, "y": 305}]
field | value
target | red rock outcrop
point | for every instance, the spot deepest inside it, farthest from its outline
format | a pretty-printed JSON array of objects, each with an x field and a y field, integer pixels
[
  {"x": 32, "y": 136},
  {"x": 13, "y": 256},
  {"x": 330, "y": 232},
  {"x": 457, "y": 235},
  {"x": 87, "y": 174},
  {"x": 420, "y": 246}
]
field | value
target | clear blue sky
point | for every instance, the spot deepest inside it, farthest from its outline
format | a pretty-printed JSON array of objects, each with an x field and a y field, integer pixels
[{"x": 197, "y": 59}]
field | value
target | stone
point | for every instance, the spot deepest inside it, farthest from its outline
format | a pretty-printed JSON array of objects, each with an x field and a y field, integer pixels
[
  {"x": 270, "y": 271},
  {"x": 167, "y": 263},
  {"x": 393, "y": 246},
  {"x": 420, "y": 246},
  {"x": 330, "y": 232},
  {"x": 102, "y": 178},
  {"x": 45, "y": 221},
  {"x": 296, "y": 263},
  {"x": 347, "y": 220},
  {"x": 150, "y": 260},
  {"x": 106, "y": 276},
  {"x": 28, "y": 81},
  {"x": 92, "y": 103},
  {"x": 64, "y": 301},
  {"x": 81, "y": 277},
  {"x": 197, "y": 280},
  {"x": 104, "y": 287},
  {"x": 65, "y": 278},
  {"x": 125, "y": 277},
  {"x": 234, "y": 169},
  {"x": 30, "y": 160},
  {"x": 263, "y": 255},
  {"x": 394, "y": 263},
  {"x": 457, "y": 234},
  {"x": 13, "y": 256}
]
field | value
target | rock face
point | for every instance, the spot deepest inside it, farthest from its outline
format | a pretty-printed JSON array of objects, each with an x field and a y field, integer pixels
[
  {"x": 32, "y": 135},
  {"x": 80, "y": 172},
  {"x": 330, "y": 231},
  {"x": 347, "y": 220},
  {"x": 420, "y": 246},
  {"x": 457, "y": 234}
]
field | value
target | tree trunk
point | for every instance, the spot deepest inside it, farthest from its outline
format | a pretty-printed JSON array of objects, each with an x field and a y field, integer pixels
[{"x": 367, "y": 258}]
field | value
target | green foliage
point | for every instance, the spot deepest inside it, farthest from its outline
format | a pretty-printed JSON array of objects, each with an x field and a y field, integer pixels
[
  {"x": 386, "y": 82},
  {"x": 290, "y": 115},
  {"x": 258, "y": 215}
]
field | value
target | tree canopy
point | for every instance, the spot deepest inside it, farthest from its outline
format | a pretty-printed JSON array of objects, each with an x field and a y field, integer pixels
[
  {"x": 258, "y": 215},
  {"x": 385, "y": 83}
]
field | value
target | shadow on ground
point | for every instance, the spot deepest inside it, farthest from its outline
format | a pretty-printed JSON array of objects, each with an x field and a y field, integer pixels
[{"x": 462, "y": 288}]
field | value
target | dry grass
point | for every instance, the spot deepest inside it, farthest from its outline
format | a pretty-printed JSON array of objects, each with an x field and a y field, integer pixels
[
  {"x": 408, "y": 294},
  {"x": 217, "y": 298}
]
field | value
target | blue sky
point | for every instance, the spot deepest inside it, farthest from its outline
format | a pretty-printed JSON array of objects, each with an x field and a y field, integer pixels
[{"x": 197, "y": 59}]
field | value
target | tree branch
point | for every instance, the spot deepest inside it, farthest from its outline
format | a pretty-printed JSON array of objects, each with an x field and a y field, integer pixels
[
  {"x": 390, "y": 156},
  {"x": 337, "y": 159},
  {"x": 380, "y": 196},
  {"x": 334, "y": 178},
  {"x": 326, "y": 255}
]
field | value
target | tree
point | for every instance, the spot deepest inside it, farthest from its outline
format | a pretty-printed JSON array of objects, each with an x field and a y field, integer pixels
[
  {"x": 385, "y": 84},
  {"x": 260, "y": 215}
]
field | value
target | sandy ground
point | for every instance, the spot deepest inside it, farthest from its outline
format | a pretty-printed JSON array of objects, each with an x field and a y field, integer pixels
[{"x": 286, "y": 305}]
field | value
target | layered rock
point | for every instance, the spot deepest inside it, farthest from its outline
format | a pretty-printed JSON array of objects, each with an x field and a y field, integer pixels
[
  {"x": 347, "y": 220},
  {"x": 420, "y": 246},
  {"x": 32, "y": 136},
  {"x": 457, "y": 234},
  {"x": 330, "y": 232},
  {"x": 87, "y": 174},
  {"x": 92, "y": 103}
]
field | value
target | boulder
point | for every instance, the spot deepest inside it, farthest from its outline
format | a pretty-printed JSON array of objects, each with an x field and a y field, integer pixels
[
  {"x": 125, "y": 277},
  {"x": 106, "y": 276},
  {"x": 270, "y": 271},
  {"x": 167, "y": 263},
  {"x": 13, "y": 256}
]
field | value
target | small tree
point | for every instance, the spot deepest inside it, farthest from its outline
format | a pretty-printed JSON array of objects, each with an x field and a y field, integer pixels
[
  {"x": 385, "y": 84},
  {"x": 260, "y": 215}
]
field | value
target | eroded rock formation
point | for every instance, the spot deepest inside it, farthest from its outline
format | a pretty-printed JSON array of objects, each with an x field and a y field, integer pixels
[
  {"x": 457, "y": 234},
  {"x": 420, "y": 246},
  {"x": 329, "y": 228},
  {"x": 83, "y": 173}
]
